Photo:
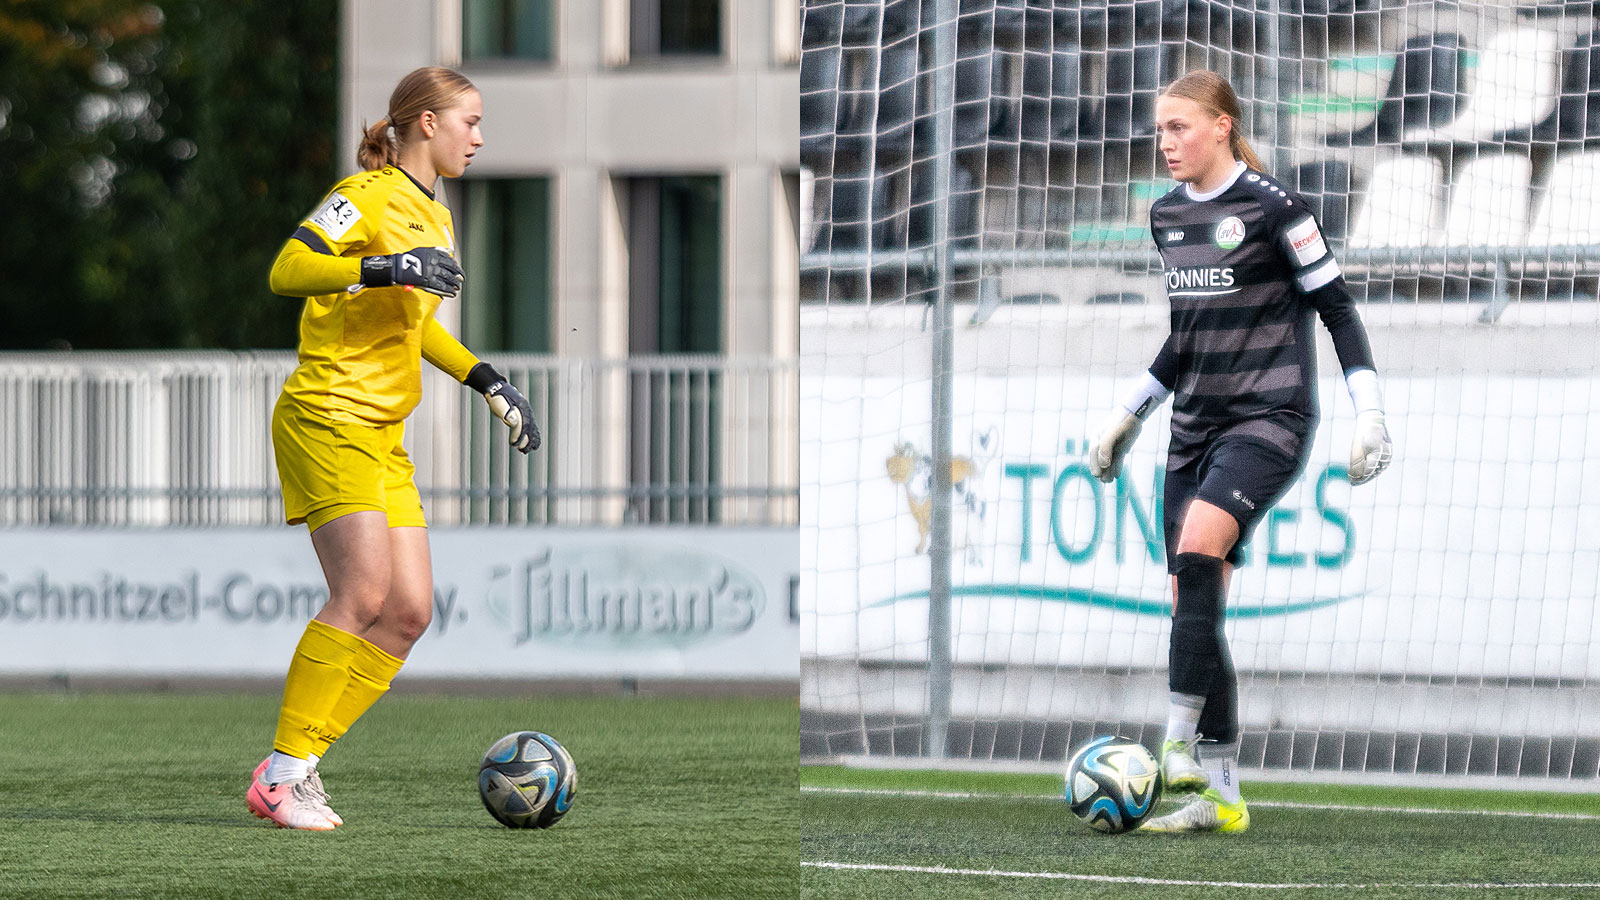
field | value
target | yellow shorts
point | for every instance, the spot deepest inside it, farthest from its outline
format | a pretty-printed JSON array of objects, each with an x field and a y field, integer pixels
[{"x": 331, "y": 468}]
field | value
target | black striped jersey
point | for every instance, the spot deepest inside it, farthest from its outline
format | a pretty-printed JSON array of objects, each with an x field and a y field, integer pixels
[{"x": 1246, "y": 266}]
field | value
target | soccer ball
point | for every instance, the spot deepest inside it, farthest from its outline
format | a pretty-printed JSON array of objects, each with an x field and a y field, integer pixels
[
  {"x": 1113, "y": 784},
  {"x": 527, "y": 780}
]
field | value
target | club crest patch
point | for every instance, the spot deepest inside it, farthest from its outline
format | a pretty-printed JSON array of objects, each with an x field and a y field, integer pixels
[
  {"x": 336, "y": 215},
  {"x": 1229, "y": 233}
]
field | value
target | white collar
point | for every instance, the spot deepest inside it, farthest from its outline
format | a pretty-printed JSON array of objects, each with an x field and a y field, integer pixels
[{"x": 1238, "y": 169}]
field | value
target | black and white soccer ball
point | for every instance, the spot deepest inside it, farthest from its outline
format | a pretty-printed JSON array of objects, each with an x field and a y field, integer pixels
[
  {"x": 527, "y": 780},
  {"x": 1113, "y": 784}
]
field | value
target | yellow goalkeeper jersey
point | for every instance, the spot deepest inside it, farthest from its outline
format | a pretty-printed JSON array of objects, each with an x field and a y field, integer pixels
[{"x": 361, "y": 348}]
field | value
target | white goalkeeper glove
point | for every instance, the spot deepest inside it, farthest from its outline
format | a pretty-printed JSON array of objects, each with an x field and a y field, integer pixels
[
  {"x": 1117, "y": 437},
  {"x": 508, "y": 405},
  {"x": 1371, "y": 450},
  {"x": 1109, "y": 449}
]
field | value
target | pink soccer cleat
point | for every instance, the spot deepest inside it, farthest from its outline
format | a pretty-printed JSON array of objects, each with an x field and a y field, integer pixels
[
  {"x": 314, "y": 784},
  {"x": 291, "y": 804}
]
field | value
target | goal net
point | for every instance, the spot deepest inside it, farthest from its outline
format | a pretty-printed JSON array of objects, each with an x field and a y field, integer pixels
[{"x": 998, "y": 156}]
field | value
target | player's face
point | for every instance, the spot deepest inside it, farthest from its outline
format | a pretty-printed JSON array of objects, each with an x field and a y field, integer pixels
[
  {"x": 456, "y": 135},
  {"x": 1194, "y": 142}
]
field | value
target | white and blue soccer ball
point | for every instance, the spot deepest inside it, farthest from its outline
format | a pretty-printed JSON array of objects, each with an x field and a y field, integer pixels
[
  {"x": 1113, "y": 784},
  {"x": 527, "y": 780}
]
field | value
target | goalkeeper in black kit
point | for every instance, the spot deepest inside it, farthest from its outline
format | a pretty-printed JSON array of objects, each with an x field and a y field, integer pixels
[{"x": 1246, "y": 267}]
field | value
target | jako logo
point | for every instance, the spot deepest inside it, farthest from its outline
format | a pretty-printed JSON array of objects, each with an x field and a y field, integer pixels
[{"x": 1243, "y": 499}]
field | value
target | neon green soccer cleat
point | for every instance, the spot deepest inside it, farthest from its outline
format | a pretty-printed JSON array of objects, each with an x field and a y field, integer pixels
[
  {"x": 1207, "y": 812},
  {"x": 1180, "y": 774}
]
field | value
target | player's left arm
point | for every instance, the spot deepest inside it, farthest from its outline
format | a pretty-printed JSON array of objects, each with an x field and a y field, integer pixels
[
  {"x": 1317, "y": 276},
  {"x": 440, "y": 348}
]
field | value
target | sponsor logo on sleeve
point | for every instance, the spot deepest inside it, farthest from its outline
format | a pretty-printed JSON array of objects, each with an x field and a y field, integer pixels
[
  {"x": 336, "y": 215},
  {"x": 1306, "y": 241}
]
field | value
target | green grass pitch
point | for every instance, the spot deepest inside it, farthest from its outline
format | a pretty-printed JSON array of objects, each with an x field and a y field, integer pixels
[
  {"x": 950, "y": 832},
  {"x": 142, "y": 795}
]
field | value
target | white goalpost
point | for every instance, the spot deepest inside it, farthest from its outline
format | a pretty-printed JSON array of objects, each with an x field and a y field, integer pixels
[{"x": 979, "y": 285}]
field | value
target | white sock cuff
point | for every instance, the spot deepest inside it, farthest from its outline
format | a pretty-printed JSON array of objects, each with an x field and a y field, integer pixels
[{"x": 282, "y": 767}]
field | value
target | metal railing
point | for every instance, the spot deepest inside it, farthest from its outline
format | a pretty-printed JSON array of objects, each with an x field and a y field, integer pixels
[{"x": 179, "y": 438}]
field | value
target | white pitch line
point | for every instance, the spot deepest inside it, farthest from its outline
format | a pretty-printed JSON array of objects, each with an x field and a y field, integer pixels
[
  {"x": 1266, "y": 804},
  {"x": 1165, "y": 882}
]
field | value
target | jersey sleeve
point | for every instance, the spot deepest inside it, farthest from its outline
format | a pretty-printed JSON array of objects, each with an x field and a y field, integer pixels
[
  {"x": 1318, "y": 277},
  {"x": 300, "y": 271},
  {"x": 348, "y": 218},
  {"x": 1301, "y": 243},
  {"x": 447, "y": 354},
  {"x": 1165, "y": 366}
]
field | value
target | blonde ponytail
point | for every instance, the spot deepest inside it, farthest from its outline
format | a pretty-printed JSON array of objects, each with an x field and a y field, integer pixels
[
  {"x": 1242, "y": 149},
  {"x": 428, "y": 88},
  {"x": 378, "y": 147}
]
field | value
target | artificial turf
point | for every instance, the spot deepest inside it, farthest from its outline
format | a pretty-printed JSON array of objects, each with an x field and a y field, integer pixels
[{"x": 142, "y": 795}]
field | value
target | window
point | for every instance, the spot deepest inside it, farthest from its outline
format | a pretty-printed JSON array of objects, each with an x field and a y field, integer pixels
[
  {"x": 508, "y": 29},
  {"x": 675, "y": 277},
  {"x": 674, "y": 234},
  {"x": 506, "y": 246},
  {"x": 675, "y": 28}
]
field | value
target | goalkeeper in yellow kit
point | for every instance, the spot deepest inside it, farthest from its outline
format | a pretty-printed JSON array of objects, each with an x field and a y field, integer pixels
[{"x": 374, "y": 262}]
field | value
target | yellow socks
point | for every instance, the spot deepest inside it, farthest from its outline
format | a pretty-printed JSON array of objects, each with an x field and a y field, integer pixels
[
  {"x": 318, "y": 675},
  {"x": 371, "y": 671}
]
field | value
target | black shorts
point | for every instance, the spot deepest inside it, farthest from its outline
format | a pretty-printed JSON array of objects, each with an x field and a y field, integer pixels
[{"x": 1243, "y": 475}]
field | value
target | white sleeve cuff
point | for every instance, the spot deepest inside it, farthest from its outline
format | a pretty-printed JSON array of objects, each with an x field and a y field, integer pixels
[
  {"x": 1365, "y": 392},
  {"x": 1148, "y": 394}
]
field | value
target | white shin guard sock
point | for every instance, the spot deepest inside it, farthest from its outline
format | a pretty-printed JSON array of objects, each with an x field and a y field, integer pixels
[
  {"x": 1183, "y": 716},
  {"x": 1221, "y": 762}
]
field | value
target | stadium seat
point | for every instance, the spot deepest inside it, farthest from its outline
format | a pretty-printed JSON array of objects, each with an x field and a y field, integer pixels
[
  {"x": 897, "y": 94},
  {"x": 1489, "y": 203},
  {"x": 966, "y": 192},
  {"x": 856, "y": 88},
  {"x": 1051, "y": 87},
  {"x": 819, "y": 92},
  {"x": 890, "y": 213},
  {"x": 1400, "y": 206},
  {"x": 1566, "y": 212},
  {"x": 1515, "y": 86},
  {"x": 847, "y": 210},
  {"x": 1133, "y": 78},
  {"x": 1422, "y": 92},
  {"x": 1575, "y": 121},
  {"x": 1325, "y": 185},
  {"x": 824, "y": 27},
  {"x": 979, "y": 71},
  {"x": 1005, "y": 98}
]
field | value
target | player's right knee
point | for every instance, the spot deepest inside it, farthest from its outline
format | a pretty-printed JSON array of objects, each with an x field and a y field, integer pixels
[{"x": 362, "y": 603}]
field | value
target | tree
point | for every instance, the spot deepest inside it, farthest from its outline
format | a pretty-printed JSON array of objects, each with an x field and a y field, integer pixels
[{"x": 154, "y": 157}]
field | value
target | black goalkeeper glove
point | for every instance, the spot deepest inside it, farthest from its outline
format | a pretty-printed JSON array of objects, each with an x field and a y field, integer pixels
[
  {"x": 508, "y": 404},
  {"x": 428, "y": 268}
]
